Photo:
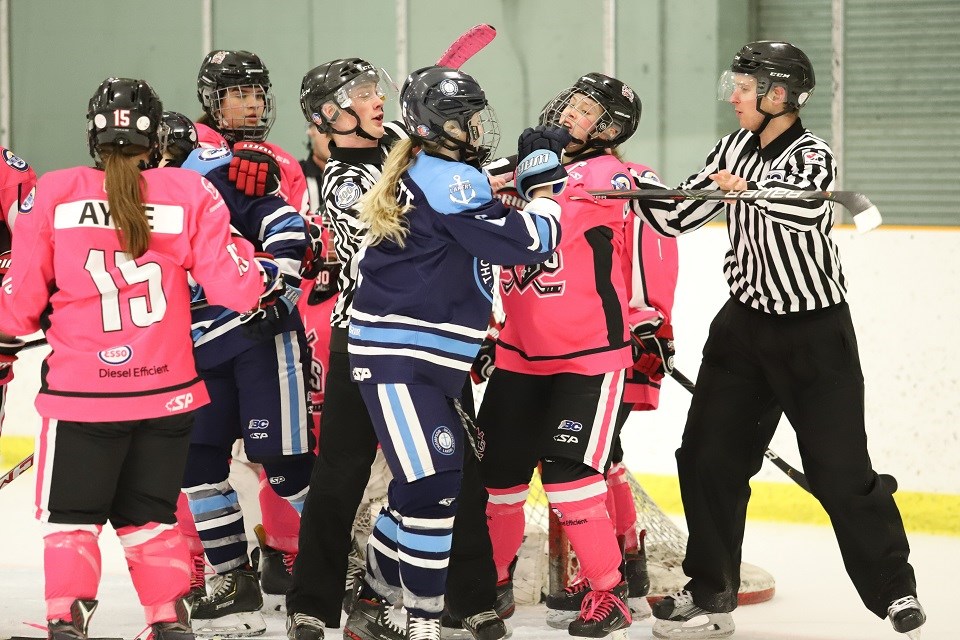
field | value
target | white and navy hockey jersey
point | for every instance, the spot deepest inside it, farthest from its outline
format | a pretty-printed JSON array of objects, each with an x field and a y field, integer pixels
[
  {"x": 421, "y": 311},
  {"x": 272, "y": 226}
]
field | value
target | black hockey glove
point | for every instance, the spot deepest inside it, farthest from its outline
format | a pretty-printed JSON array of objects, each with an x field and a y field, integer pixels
[
  {"x": 277, "y": 302},
  {"x": 653, "y": 349},
  {"x": 485, "y": 362},
  {"x": 254, "y": 169},
  {"x": 539, "y": 150},
  {"x": 8, "y": 355},
  {"x": 313, "y": 258}
]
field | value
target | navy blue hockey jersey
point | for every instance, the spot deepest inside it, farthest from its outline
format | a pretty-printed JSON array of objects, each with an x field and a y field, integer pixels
[
  {"x": 272, "y": 226},
  {"x": 421, "y": 311}
]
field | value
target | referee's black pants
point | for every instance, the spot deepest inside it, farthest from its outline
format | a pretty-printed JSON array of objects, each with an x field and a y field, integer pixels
[
  {"x": 808, "y": 363},
  {"x": 348, "y": 446}
]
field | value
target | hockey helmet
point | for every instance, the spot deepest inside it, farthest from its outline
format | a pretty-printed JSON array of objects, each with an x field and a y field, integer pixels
[
  {"x": 125, "y": 112},
  {"x": 620, "y": 107},
  {"x": 239, "y": 71},
  {"x": 771, "y": 63}
]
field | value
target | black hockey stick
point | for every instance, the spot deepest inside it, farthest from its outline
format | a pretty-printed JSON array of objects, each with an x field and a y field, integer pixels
[
  {"x": 771, "y": 413},
  {"x": 12, "y": 475},
  {"x": 866, "y": 216}
]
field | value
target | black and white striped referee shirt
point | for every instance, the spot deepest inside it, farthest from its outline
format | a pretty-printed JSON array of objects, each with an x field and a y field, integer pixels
[{"x": 781, "y": 258}]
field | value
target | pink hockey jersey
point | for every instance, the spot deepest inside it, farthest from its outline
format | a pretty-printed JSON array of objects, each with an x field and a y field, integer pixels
[
  {"x": 569, "y": 313},
  {"x": 17, "y": 191},
  {"x": 293, "y": 184},
  {"x": 650, "y": 265},
  {"x": 119, "y": 328}
]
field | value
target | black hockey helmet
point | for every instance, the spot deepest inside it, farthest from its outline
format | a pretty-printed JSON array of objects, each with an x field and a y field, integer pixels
[
  {"x": 338, "y": 81},
  {"x": 178, "y": 136},
  {"x": 432, "y": 97},
  {"x": 125, "y": 112},
  {"x": 772, "y": 63},
  {"x": 222, "y": 70},
  {"x": 621, "y": 109}
]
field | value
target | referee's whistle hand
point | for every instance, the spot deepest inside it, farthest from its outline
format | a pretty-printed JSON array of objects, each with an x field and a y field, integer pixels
[{"x": 726, "y": 181}]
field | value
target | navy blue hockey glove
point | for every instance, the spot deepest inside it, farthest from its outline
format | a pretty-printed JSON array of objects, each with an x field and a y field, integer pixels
[
  {"x": 539, "y": 150},
  {"x": 277, "y": 301},
  {"x": 653, "y": 349},
  {"x": 254, "y": 169}
]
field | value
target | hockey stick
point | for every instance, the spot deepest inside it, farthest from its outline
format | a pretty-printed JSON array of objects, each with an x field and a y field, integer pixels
[
  {"x": 11, "y": 475},
  {"x": 771, "y": 413},
  {"x": 866, "y": 216},
  {"x": 467, "y": 45}
]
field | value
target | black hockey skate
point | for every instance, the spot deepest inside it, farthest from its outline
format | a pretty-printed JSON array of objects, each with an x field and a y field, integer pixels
[
  {"x": 675, "y": 610},
  {"x": 356, "y": 569},
  {"x": 300, "y": 626},
  {"x": 907, "y": 616},
  {"x": 233, "y": 606},
  {"x": 180, "y": 629},
  {"x": 635, "y": 569},
  {"x": 76, "y": 628},
  {"x": 369, "y": 619},
  {"x": 505, "y": 604},
  {"x": 603, "y": 613},
  {"x": 198, "y": 578},
  {"x": 563, "y": 607},
  {"x": 422, "y": 628},
  {"x": 486, "y": 625}
]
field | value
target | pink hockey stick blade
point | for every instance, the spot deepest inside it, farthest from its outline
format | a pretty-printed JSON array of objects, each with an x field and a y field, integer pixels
[{"x": 469, "y": 43}]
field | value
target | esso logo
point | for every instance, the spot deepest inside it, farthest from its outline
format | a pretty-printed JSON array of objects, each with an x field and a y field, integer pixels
[{"x": 115, "y": 356}]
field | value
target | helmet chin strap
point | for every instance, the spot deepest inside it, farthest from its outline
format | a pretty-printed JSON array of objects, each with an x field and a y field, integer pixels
[
  {"x": 358, "y": 129},
  {"x": 767, "y": 117}
]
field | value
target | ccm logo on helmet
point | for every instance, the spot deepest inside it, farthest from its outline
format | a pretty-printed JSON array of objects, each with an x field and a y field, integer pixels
[{"x": 179, "y": 403}]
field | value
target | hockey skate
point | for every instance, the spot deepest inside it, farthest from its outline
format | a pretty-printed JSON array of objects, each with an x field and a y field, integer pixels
[
  {"x": 486, "y": 625},
  {"x": 638, "y": 581},
  {"x": 76, "y": 628},
  {"x": 674, "y": 611},
  {"x": 356, "y": 568},
  {"x": 275, "y": 566},
  {"x": 505, "y": 604},
  {"x": 563, "y": 607},
  {"x": 198, "y": 578},
  {"x": 907, "y": 616},
  {"x": 370, "y": 619},
  {"x": 422, "y": 628},
  {"x": 179, "y": 629},
  {"x": 300, "y": 626},
  {"x": 603, "y": 614},
  {"x": 233, "y": 606}
]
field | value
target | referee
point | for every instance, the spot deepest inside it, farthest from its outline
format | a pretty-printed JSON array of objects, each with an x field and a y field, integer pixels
[{"x": 785, "y": 336}]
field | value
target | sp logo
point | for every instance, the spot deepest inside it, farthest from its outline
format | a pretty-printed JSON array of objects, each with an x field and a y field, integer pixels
[
  {"x": 277, "y": 479},
  {"x": 258, "y": 435},
  {"x": 361, "y": 373},
  {"x": 566, "y": 438},
  {"x": 179, "y": 403}
]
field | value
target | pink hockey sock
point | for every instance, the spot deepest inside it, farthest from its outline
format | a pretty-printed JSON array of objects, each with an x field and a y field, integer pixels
[
  {"x": 581, "y": 507},
  {"x": 71, "y": 567},
  {"x": 159, "y": 564},
  {"x": 188, "y": 528},
  {"x": 281, "y": 522},
  {"x": 505, "y": 520},
  {"x": 624, "y": 514}
]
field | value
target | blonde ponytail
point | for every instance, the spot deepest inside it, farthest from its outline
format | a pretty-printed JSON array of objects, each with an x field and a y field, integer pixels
[
  {"x": 124, "y": 185},
  {"x": 379, "y": 208}
]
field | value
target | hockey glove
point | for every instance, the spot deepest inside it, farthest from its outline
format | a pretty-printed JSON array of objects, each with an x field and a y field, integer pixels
[
  {"x": 327, "y": 283},
  {"x": 254, "y": 169},
  {"x": 653, "y": 349},
  {"x": 277, "y": 302},
  {"x": 485, "y": 362},
  {"x": 8, "y": 355},
  {"x": 539, "y": 150},
  {"x": 313, "y": 258}
]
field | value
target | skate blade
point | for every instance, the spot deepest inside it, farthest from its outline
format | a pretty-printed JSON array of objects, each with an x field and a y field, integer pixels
[
  {"x": 619, "y": 634},
  {"x": 233, "y": 625},
  {"x": 639, "y": 608},
  {"x": 454, "y": 633},
  {"x": 718, "y": 625},
  {"x": 560, "y": 619},
  {"x": 914, "y": 635}
]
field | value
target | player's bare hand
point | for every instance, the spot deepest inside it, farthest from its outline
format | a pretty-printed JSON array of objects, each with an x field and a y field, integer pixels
[
  {"x": 496, "y": 182},
  {"x": 726, "y": 181}
]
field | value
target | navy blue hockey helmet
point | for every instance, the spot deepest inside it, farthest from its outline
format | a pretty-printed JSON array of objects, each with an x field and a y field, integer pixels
[{"x": 178, "y": 136}]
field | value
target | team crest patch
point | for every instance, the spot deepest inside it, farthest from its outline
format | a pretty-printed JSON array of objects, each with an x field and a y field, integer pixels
[
  {"x": 443, "y": 440},
  {"x": 115, "y": 356},
  {"x": 448, "y": 87},
  {"x": 621, "y": 182},
  {"x": 814, "y": 157},
  {"x": 15, "y": 161},
  {"x": 461, "y": 191},
  {"x": 214, "y": 154},
  {"x": 627, "y": 92},
  {"x": 27, "y": 205},
  {"x": 775, "y": 175},
  {"x": 347, "y": 194}
]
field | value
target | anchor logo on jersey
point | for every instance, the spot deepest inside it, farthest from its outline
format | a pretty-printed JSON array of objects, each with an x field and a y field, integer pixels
[
  {"x": 462, "y": 188},
  {"x": 532, "y": 277}
]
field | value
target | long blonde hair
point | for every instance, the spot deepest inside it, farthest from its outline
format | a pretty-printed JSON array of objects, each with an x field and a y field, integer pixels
[
  {"x": 379, "y": 208},
  {"x": 124, "y": 185}
]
